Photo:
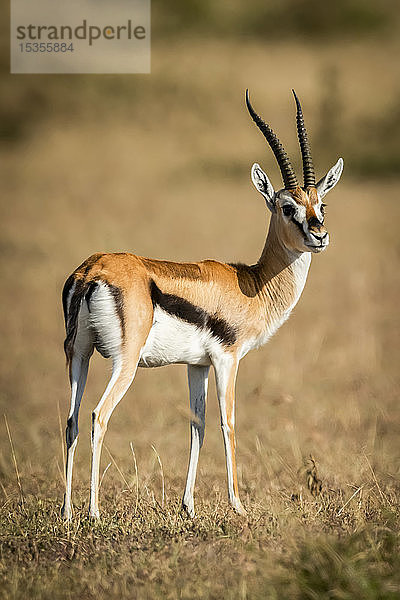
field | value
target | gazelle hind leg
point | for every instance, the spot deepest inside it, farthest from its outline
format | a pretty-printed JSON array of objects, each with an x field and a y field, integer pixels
[
  {"x": 225, "y": 374},
  {"x": 198, "y": 383},
  {"x": 78, "y": 369},
  {"x": 124, "y": 369},
  {"x": 121, "y": 332}
]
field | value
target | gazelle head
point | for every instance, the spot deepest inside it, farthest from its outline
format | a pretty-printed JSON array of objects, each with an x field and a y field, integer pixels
[{"x": 298, "y": 211}]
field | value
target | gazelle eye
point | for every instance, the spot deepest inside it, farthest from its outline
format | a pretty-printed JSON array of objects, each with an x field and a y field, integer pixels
[{"x": 288, "y": 210}]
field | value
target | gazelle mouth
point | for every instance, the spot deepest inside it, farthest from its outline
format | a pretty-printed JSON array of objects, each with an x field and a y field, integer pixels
[{"x": 316, "y": 247}]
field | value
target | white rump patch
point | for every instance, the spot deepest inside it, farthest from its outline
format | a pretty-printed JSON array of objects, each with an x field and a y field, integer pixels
[{"x": 104, "y": 321}]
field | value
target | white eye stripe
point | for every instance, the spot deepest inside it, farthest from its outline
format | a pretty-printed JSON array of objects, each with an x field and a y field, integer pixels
[
  {"x": 300, "y": 212},
  {"x": 318, "y": 212}
]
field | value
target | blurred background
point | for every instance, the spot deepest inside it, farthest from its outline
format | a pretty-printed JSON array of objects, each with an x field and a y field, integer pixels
[{"x": 159, "y": 165}]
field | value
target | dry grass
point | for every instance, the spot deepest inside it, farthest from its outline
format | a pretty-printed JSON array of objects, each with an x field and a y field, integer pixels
[{"x": 131, "y": 178}]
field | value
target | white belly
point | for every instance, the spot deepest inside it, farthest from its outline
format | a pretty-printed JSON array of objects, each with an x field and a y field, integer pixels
[{"x": 172, "y": 340}]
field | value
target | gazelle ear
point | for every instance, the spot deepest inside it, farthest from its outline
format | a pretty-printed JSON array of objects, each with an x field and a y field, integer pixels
[
  {"x": 263, "y": 185},
  {"x": 328, "y": 182}
]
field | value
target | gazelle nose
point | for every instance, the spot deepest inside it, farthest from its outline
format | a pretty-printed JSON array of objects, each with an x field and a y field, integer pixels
[
  {"x": 320, "y": 234},
  {"x": 317, "y": 228}
]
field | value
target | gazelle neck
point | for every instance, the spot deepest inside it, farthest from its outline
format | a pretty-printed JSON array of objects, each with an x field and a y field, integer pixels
[
  {"x": 276, "y": 259},
  {"x": 279, "y": 278}
]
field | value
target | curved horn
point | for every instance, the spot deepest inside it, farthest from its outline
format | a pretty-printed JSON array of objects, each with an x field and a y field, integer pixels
[
  {"x": 288, "y": 175},
  {"x": 308, "y": 167}
]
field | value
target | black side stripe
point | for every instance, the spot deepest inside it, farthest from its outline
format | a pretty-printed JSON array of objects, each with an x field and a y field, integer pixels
[{"x": 181, "y": 308}]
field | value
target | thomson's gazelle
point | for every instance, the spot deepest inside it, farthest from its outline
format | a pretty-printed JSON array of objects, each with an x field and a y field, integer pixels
[{"x": 148, "y": 313}]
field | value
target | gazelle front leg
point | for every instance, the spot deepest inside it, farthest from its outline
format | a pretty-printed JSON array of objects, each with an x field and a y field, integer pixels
[
  {"x": 198, "y": 383},
  {"x": 225, "y": 374}
]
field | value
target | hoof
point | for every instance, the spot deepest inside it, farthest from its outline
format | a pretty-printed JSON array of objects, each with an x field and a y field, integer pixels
[
  {"x": 66, "y": 512},
  {"x": 94, "y": 514},
  {"x": 188, "y": 509},
  {"x": 238, "y": 508}
]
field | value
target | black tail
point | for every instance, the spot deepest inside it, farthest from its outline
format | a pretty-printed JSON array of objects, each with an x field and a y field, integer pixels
[{"x": 71, "y": 312}]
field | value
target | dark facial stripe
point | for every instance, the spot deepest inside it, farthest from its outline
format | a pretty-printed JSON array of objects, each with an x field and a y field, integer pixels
[
  {"x": 314, "y": 223},
  {"x": 299, "y": 225},
  {"x": 181, "y": 308}
]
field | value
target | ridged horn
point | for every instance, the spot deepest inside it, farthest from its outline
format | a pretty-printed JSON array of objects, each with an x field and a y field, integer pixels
[
  {"x": 288, "y": 175},
  {"x": 308, "y": 166}
]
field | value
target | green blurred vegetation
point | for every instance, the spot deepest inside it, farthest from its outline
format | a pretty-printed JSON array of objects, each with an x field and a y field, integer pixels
[
  {"x": 306, "y": 19},
  {"x": 372, "y": 141},
  {"x": 28, "y": 101}
]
